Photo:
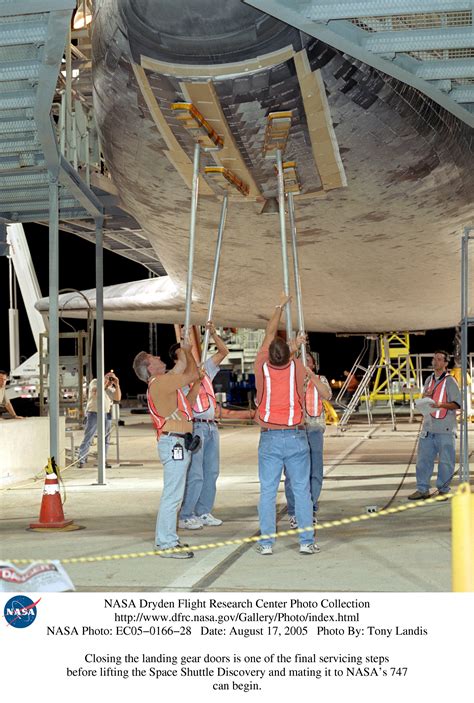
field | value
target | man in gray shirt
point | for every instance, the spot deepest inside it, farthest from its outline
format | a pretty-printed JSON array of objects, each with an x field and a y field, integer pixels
[{"x": 438, "y": 434}]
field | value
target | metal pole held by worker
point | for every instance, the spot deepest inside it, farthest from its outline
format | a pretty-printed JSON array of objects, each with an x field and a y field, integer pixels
[
  {"x": 284, "y": 252},
  {"x": 192, "y": 239},
  {"x": 296, "y": 269},
  {"x": 215, "y": 274}
]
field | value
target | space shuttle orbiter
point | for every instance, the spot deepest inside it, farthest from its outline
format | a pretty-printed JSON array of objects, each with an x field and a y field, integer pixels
[{"x": 384, "y": 175}]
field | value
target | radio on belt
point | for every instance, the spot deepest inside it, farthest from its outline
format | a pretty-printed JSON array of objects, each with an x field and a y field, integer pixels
[{"x": 177, "y": 452}]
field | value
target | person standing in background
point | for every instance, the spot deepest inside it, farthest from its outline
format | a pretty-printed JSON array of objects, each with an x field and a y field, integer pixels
[
  {"x": 112, "y": 394},
  {"x": 4, "y": 402}
]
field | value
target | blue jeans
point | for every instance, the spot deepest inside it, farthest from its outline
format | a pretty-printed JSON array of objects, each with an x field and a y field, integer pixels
[
  {"x": 435, "y": 445},
  {"x": 90, "y": 430},
  {"x": 174, "y": 480},
  {"x": 316, "y": 442},
  {"x": 288, "y": 448},
  {"x": 200, "y": 491}
]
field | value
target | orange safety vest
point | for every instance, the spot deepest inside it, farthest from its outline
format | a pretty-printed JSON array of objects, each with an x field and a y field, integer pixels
[
  {"x": 158, "y": 420},
  {"x": 312, "y": 401},
  {"x": 206, "y": 396},
  {"x": 440, "y": 394},
  {"x": 280, "y": 403}
]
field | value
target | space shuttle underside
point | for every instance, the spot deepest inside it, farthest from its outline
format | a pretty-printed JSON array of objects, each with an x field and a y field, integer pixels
[{"x": 382, "y": 175}]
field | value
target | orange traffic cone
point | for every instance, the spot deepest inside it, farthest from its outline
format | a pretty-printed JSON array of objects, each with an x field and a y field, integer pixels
[{"x": 51, "y": 513}]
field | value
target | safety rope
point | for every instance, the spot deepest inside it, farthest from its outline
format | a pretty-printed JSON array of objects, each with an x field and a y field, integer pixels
[{"x": 245, "y": 540}]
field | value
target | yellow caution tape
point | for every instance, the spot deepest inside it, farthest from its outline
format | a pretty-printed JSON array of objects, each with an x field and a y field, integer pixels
[{"x": 245, "y": 540}]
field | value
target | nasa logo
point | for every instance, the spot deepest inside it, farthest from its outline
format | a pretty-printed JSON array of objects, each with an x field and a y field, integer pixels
[{"x": 20, "y": 611}]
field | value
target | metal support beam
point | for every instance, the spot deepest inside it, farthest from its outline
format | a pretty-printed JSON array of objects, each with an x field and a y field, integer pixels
[
  {"x": 192, "y": 240},
  {"x": 99, "y": 341},
  {"x": 42, "y": 216},
  {"x": 19, "y": 33},
  {"x": 445, "y": 68},
  {"x": 17, "y": 100},
  {"x": 352, "y": 40},
  {"x": 53, "y": 339},
  {"x": 419, "y": 40},
  {"x": 79, "y": 189},
  {"x": 296, "y": 269},
  {"x": 29, "y": 206},
  {"x": 325, "y": 11},
  {"x": 215, "y": 275},
  {"x": 19, "y": 70},
  {"x": 463, "y": 95},
  {"x": 284, "y": 252},
  {"x": 24, "y": 7},
  {"x": 58, "y": 23}
]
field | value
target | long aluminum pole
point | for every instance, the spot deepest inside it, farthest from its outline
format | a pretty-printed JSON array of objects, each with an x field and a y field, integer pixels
[
  {"x": 99, "y": 303},
  {"x": 464, "y": 468},
  {"x": 296, "y": 269},
  {"x": 68, "y": 96},
  {"x": 192, "y": 240},
  {"x": 284, "y": 252},
  {"x": 215, "y": 274},
  {"x": 53, "y": 339}
]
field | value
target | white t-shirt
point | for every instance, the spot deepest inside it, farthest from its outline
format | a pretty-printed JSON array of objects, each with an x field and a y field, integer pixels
[
  {"x": 2, "y": 395},
  {"x": 92, "y": 398}
]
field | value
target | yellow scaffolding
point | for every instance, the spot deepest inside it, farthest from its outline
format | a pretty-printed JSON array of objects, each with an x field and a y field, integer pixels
[{"x": 395, "y": 378}]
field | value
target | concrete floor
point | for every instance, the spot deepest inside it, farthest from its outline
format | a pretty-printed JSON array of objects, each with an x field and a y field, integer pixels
[{"x": 408, "y": 551}]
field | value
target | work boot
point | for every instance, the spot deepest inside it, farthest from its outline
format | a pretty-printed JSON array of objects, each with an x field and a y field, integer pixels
[
  {"x": 418, "y": 495},
  {"x": 178, "y": 555}
]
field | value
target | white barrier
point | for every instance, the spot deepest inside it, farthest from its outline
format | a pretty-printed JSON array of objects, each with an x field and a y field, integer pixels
[{"x": 24, "y": 447}]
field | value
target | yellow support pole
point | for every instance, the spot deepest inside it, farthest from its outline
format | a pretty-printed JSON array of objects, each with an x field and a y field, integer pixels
[{"x": 462, "y": 521}]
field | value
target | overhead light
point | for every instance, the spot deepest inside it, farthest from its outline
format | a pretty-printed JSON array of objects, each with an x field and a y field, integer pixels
[
  {"x": 270, "y": 207},
  {"x": 82, "y": 20},
  {"x": 74, "y": 73}
]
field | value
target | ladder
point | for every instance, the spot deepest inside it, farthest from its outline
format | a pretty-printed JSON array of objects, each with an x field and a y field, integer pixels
[{"x": 368, "y": 370}]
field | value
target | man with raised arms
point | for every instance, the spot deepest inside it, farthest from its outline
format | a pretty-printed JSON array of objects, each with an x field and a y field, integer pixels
[
  {"x": 283, "y": 442},
  {"x": 171, "y": 415}
]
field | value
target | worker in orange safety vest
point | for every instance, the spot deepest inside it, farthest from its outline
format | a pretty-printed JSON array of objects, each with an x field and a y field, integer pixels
[
  {"x": 280, "y": 381},
  {"x": 171, "y": 415},
  {"x": 200, "y": 491},
  {"x": 438, "y": 432}
]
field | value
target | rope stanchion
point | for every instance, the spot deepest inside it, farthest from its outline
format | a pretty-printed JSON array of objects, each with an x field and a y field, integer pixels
[{"x": 463, "y": 540}]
